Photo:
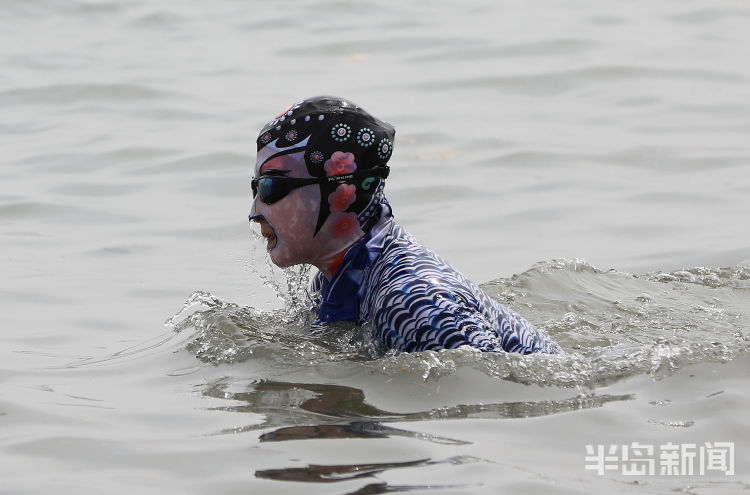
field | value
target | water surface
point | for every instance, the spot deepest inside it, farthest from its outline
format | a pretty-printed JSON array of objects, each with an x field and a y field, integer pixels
[{"x": 586, "y": 162}]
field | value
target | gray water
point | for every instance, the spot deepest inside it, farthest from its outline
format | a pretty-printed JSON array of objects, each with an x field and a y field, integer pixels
[{"x": 586, "y": 162}]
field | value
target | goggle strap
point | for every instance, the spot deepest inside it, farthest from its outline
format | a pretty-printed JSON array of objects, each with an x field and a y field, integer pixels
[{"x": 381, "y": 172}]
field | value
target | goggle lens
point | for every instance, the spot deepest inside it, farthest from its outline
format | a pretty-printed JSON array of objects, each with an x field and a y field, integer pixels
[{"x": 271, "y": 189}]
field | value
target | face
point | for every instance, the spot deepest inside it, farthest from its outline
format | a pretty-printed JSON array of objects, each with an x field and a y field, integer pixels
[
  {"x": 288, "y": 224},
  {"x": 319, "y": 138}
]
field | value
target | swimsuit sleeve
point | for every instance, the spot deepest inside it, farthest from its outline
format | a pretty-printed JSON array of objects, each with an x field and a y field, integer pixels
[
  {"x": 418, "y": 315},
  {"x": 417, "y": 302}
]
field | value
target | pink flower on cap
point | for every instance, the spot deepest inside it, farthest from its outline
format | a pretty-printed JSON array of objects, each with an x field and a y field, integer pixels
[
  {"x": 342, "y": 197},
  {"x": 340, "y": 163},
  {"x": 345, "y": 224}
]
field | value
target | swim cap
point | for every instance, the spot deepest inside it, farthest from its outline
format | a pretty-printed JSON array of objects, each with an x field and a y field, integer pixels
[{"x": 322, "y": 137}]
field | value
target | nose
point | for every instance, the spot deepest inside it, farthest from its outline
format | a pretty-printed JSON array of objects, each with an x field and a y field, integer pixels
[{"x": 253, "y": 217}]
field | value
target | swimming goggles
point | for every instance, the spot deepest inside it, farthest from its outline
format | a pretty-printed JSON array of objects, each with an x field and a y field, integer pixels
[{"x": 272, "y": 188}]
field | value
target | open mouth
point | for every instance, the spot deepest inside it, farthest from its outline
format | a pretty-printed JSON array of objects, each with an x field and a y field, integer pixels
[
  {"x": 271, "y": 241},
  {"x": 267, "y": 232}
]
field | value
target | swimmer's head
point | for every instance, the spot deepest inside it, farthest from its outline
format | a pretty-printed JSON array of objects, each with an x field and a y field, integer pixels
[{"x": 319, "y": 178}]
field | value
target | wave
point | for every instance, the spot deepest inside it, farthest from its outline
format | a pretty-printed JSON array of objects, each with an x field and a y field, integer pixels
[{"x": 613, "y": 325}]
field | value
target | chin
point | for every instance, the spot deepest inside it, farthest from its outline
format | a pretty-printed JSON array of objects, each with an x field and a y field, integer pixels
[{"x": 280, "y": 261}]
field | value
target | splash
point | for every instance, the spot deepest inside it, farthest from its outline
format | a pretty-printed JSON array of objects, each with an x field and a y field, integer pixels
[
  {"x": 289, "y": 285},
  {"x": 613, "y": 325},
  {"x": 224, "y": 332}
]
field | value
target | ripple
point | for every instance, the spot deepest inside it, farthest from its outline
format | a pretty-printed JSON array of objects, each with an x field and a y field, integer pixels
[
  {"x": 558, "y": 82},
  {"x": 709, "y": 15},
  {"x": 75, "y": 9},
  {"x": 24, "y": 210},
  {"x": 209, "y": 163},
  {"x": 96, "y": 189},
  {"x": 479, "y": 50},
  {"x": 158, "y": 20},
  {"x": 672, "y": 423},
  {"x": 85, "y": 162},
  {"x": 67, "y": 94}
]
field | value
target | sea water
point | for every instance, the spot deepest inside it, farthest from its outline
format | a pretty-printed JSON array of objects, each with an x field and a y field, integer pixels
[{"x": 586, "y": 162}]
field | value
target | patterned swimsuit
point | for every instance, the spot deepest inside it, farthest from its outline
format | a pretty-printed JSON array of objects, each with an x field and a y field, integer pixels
[{"x": 415, "y": 301}]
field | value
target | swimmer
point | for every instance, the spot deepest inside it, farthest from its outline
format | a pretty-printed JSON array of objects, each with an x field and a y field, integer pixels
[{"x": 318, "y": 197}]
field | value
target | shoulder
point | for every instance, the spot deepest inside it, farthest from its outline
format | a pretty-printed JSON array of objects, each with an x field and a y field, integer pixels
[
  {"x": 419, "y": 302},
  {"x": 407, "y": 265}
]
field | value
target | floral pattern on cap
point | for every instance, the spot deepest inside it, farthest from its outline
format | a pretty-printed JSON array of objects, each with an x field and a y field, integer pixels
[
  {"x": 316, "y": 157},
  {"x": 341, "y": 132},
  {"x": 385, "y": 148},
  {"x": 365, "y": 137},
  {"x": 340, "y": 163}
]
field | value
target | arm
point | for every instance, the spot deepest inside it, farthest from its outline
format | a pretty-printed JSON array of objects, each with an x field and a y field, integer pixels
[
  {"x": 420, "y": 314},
  {"x": 417, "y": 303}
]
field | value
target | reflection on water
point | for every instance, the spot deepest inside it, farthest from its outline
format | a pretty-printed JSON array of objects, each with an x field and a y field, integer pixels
[
  {"x": 375, "y": 488},
  {"x": 356, "y": 429},
  {"x": 325, "y": 474},
  {"x": 336, "y": 473},
  {"x": 316, "y": 410}
]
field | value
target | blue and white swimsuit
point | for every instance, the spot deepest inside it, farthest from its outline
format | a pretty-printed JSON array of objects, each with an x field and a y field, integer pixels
[{"x": 415, "y": 301}]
